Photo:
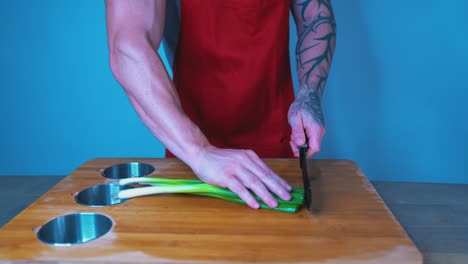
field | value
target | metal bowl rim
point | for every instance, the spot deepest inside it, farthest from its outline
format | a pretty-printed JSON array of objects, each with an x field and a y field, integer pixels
[
  {"x": 128, "y": 163},
  {"x": 106, "y": 217},
  {"x": 97, "y": 206}
]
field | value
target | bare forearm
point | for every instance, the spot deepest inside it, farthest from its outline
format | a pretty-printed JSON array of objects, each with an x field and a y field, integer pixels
[
  {"x": 135, "y": 31},
  {"x": 315, "y": 23},
  {"x": 139, "y": 69}
]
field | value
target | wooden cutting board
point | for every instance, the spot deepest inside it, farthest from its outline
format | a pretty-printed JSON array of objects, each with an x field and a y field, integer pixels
[{"x": 353, "y": 226}]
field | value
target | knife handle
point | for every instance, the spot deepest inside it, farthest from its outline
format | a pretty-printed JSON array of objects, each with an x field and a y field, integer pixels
[
  {"x": 303, "y": 155},
  {"x": 303, "y": 150}
]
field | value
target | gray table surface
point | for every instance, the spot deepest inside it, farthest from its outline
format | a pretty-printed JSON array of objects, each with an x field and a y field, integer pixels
[{"x": 434, "y": 215}]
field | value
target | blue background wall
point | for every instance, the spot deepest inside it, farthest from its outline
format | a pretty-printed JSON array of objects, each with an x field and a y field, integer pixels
[{"x": 395, "y": 101}]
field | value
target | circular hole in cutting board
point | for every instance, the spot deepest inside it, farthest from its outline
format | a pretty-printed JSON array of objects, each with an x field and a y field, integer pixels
[
  {"x": 76, "y": 228},
  {"x": 101, "y": 195},
  {"x": 127, "y": 170}
]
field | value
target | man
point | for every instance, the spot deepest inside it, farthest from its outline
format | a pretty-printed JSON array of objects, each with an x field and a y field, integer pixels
[{"x": 231, "y": 101}]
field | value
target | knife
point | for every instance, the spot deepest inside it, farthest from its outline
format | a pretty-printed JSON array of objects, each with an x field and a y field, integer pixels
[{"x": 305, "y": 176}]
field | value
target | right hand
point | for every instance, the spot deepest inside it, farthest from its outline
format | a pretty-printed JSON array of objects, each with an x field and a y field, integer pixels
[{"x": 239, "y": 170}]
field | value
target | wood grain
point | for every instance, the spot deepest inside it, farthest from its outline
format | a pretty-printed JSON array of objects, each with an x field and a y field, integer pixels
[{"x": 353, "y": 226}]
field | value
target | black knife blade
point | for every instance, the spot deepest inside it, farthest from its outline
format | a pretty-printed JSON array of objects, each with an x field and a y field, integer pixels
[{"x": 305, "y": 176}]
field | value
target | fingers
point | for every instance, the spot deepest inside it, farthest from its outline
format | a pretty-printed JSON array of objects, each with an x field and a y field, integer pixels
[
  {"x": 269, "y": 172},
  {"x": 315, "y": 134},
  {"x": 255, "y": 175},
  {"x": 268, "y": 177},
  {"x": 255, "y": 184},
  {"x": 314, "y": 131},
  {"x": 238, "y": 188},
  {"x": 294, "y": 149},
  {"x": 241, "y": 170},
  {"x": 297, "y": 135}
]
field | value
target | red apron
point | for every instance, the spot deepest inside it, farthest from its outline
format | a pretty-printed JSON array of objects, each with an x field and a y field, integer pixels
[{"x": 232, "y": 73}]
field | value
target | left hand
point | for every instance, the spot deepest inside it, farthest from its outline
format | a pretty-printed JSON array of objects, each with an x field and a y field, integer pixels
[{"x": 305, "y": 116}]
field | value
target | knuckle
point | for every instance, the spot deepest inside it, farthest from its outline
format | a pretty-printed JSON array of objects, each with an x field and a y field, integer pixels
[
  {"x": 254, "y": 181},
  {"x": 233, "y": 185},
  {"x": 243, "y": 156},
  {"x": 250, "y": 152},
  {"x": 260, "y": 189},
  {"x": 274, "y": 187},
  {"x": 313, "y": 152},
  {"x": 316, "y": 149},
  {"x": 227, "y": 172},
  {"x": 267, "y": 175},
  {"x": 266, "y": 196},
  {"x": 236, "y": 189},
  {"x": 230, "y": 178},
  {"x": 243, "y": 193},
  {"x": 235, "y": 165}
]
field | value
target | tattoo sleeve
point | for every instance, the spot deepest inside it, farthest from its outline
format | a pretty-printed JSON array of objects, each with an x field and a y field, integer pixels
[{"x": 316, "y": 30}]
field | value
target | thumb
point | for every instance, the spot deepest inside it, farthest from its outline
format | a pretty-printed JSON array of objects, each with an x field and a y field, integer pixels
[{"x": 297, "y": 136}]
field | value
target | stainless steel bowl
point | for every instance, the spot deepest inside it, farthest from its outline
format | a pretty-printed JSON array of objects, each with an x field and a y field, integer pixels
[
  {"x": 128, "y": 170},
  {"x": 101, "y": 195},
  {"x": 74, "y": 229}
]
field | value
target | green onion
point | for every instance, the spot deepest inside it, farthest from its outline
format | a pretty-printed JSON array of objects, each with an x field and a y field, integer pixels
[
  {"x": 198, "y": 187},
  {"x": 149, "y": 180}
]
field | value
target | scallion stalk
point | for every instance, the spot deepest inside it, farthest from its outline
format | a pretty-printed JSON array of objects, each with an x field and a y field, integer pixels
[
  {"x": 198, "y": 187},
  {"x": 150, "y": 180}
]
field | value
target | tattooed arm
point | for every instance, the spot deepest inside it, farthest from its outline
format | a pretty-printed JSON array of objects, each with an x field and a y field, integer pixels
[{"x": 315, "y": 25}]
